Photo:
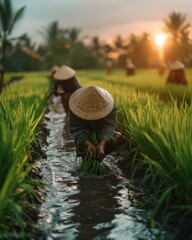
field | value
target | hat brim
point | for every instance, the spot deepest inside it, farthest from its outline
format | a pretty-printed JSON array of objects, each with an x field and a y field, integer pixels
[
  {"x": 91, "y": 103},
  {"x": 64, "y": 73}
]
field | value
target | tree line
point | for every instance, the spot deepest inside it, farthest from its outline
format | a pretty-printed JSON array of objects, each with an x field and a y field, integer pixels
[{"x": 67, "y": 46}]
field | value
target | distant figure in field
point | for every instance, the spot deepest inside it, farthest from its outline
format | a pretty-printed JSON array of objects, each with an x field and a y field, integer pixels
[
  {"x": 53, "y": 70},
  {"x": 177, "y": 74},
  {"x": 161, "y": 68},
  {"x": 109, "y": 67},
  {"x": 64, "y": 84},
  {"x": 130, "y": 67}
]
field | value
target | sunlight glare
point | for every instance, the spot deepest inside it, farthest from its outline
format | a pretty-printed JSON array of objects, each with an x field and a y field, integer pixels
[{"x": 160, "y": 39}]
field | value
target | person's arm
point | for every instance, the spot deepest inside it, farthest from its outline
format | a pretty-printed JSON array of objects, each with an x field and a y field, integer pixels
[
  {"x": 107, "y": 131},
  {"x": 53, "y": 89},
  {"x": 109, "y": 125},
  {"x": 78, "y": 129},
  {"x": 55, "y": 86}
]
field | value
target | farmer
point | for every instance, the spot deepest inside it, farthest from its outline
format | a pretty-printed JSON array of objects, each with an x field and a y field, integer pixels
[
  {"x": 65, "y": 83},
  {"x": 109, "y": 66},
  {"x": 177, "y": 74},
  {"x": 130, "y": 67},
  {"x": 93, "y": 111}
]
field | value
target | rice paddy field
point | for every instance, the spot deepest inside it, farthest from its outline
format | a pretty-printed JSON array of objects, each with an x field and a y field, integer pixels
[
  {"x": 154, "y": 117},
  {"x": 22, "y": 105}
]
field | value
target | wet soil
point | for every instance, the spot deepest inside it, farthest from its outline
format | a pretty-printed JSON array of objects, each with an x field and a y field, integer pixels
[{"x": 79, "y": 206}]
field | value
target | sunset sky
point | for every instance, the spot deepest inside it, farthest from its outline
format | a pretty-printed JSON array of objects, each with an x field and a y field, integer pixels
[{"x": 103, "y": 18}]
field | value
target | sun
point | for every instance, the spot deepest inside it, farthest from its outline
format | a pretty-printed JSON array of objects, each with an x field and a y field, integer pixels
[{"x": 160, "y": 39}]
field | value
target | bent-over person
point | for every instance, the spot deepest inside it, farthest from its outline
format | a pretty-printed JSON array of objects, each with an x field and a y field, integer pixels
[
  {"x": 130, "y": 67},
  {"x": 177, "y": 74},
  {"x": 65, "y": 83},
  {"x": 93, "y": 111}
]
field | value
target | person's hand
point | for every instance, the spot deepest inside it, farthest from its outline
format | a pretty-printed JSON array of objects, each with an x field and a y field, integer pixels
[
  {"x": 91, "y": 149},
  {"x": 101, "y": 151}
]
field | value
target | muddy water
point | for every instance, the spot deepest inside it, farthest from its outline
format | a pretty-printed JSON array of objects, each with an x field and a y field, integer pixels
[{"x": 78, "y": 206}]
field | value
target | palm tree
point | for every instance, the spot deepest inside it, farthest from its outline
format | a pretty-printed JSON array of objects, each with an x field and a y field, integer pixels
[
  {"x": 132, "y": 45},
  {"x": 118, "y": 42},
  {"x": 73, "y": 35},
  {"x": 8, "y": 20},
  {"x": 177, "y": 28},
  {"x": 176, "y": 24},
  {"x": 95, "y": 45},
  {"x": 95, "y": 42},
  {"x": 56, "y": 44},
  {"x": 51, "y": 33}
]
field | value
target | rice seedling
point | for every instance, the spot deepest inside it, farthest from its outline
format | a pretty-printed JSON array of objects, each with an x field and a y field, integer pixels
[{"x": 90, "y": 164}]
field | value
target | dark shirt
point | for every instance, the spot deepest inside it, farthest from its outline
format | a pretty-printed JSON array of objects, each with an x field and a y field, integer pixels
[
  {"x": 104, "y": 127},
  {"x": 68, "y": 86}
]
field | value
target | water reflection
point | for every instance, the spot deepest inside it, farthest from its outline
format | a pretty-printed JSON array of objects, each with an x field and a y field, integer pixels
[{"x": 96, "y": 208}]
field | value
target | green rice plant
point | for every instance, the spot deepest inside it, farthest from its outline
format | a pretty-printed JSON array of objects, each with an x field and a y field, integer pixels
[
  {"x": 21, "y": 110},
  {"x": 90, "y": 165},
  {"x": 159, "y": 129},
  {"x": 145, "y": 80},
  {"x": 162, "y": 132}
]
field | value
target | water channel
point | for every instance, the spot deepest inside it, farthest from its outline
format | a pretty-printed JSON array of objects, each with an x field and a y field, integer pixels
[{"x": 77, "y": 206}]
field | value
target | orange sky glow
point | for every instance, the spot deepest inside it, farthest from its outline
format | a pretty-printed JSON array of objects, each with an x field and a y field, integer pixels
[{"x": 103, "y": 18}]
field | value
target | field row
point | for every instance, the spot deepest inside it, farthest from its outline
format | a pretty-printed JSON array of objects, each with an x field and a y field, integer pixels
[{"x": 160, "y": 129}]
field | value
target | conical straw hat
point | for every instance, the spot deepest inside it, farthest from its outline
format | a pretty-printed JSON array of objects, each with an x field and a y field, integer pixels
[
  {"x": 177, "y": 65},
  {"x": 64, "y": 73},
  {"x": 91, "y": 103}
]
